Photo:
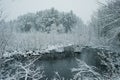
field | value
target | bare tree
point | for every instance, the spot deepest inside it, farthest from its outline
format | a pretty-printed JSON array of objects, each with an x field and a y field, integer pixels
[
  {"x": 4, "y": 32},
  {"x": 0, "y": 32}
]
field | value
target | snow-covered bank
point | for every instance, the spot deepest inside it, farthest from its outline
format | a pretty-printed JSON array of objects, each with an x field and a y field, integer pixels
[{"x": 51, "y": 50}]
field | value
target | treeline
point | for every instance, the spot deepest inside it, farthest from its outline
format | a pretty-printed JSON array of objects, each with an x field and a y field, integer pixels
[
  {"x": 47, "y": 21},
  {"x": 33, "y": 31}
]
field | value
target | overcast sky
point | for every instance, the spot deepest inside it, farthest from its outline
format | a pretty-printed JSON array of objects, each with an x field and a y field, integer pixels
[{"x": 82, "y": 8}]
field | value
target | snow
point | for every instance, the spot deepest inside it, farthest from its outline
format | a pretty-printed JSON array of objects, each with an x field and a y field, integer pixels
[
  {"x": 8, "y": 54},
  {"x": 56, "y": 47}
]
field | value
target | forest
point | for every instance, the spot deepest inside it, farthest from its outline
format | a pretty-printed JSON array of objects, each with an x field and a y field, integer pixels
[{"x": 55, "y": 45}]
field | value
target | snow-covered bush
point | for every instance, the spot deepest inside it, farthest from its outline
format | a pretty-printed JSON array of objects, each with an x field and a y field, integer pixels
[
  {"x": 85, "y": 72},
  {"x": 106, "y": 62},
  {"x": 17, "y": 69}
]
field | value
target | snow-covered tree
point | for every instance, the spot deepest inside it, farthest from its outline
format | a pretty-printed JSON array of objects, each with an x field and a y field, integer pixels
[
  {"x": 43, "y": 20},
  {"x": 3, "y": 33},
  {"x": 69, "y": 20},
  {"x": 106, "y": 21}
]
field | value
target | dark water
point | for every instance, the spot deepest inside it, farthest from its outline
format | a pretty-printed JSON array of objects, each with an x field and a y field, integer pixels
[{"x": 62, "y": 66}]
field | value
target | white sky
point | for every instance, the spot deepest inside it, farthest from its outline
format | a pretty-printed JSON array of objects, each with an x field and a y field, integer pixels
[{"x": 82, "y": 8}]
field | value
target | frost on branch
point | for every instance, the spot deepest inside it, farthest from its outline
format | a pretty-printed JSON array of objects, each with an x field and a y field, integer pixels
[
  {"x": 13, "y": 69},
  {"x": 85, "y": 72}
]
